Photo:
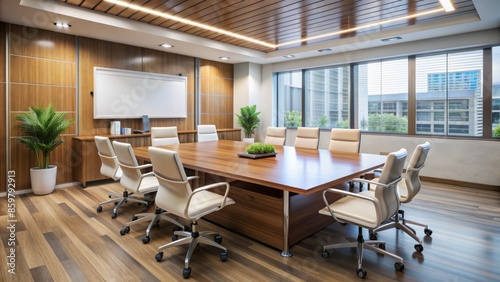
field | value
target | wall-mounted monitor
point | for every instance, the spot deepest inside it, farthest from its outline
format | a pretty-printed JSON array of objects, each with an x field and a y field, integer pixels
[{"x": 133, "y": 94}]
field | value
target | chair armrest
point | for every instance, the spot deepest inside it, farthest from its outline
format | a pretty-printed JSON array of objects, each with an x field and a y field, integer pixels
[
  {"x": 208, "y": 187},
  {"x": 148, "y": 174},
  {"x": 192, "y": 177}
]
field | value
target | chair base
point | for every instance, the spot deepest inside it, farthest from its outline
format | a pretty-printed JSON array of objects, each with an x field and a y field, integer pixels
[
  {"x": 153, "y": 218},
  {"x": 119, "y": 200},
  {"x": 403, "y": 225},
  {"x": 193, "y": 238},
  {"x": 361, "y": 245}
]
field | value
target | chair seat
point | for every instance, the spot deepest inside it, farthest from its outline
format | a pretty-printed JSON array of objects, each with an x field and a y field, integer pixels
[
  {"x": 355, "y": 210},
  {"x": 148, "y": 184},
  {"x": 205, "y": 201}
]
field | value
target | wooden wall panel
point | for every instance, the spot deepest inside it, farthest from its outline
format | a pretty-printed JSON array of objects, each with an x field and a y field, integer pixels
[
  {"x": 216, "y": 87},
  {"x": 3, "y": 98},
  {"x": 42, "y": 71},
  {"x": 97, "y": 53}
]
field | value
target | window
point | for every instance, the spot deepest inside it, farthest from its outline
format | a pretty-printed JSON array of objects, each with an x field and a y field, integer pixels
[
  {"x": 289, "y": 89},
  {"x": 496, "y": 92},
  {"x": 383, "y": 96},
  {"x": 327, "y": 97},
  {"x": 450, "y": 86}
]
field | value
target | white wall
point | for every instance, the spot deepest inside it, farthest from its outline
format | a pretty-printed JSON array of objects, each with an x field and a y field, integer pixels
[{"x": 474, "y": 161}]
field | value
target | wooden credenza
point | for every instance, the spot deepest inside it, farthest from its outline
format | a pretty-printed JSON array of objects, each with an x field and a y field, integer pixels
[{"x": 88, "y": 164}]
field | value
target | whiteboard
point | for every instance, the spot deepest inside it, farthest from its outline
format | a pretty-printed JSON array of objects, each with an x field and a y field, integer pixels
[{"x": 132, "y": 94}]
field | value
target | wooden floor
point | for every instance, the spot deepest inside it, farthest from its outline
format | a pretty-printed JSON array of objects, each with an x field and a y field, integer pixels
[{"x": 61, "y": 237}]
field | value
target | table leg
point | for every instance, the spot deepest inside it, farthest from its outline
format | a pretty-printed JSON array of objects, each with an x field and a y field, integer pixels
[{"x": 286, "y": 211}]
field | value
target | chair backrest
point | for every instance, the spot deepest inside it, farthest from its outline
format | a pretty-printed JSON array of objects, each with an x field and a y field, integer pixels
[
  {"x": 207, "y": 132},
  {"x": 275, "y": 136},
  {"x": 109, "y": 161},
  {"x": 388, "y": 197},
  {"x": 164, "y": 136},
  {"x": 174, "y": 190},
  {"x": 345, "y": 140},
  {"x": 411, "y": 177},
  {"x": 132, "y": 175},
  {"x": 307, "y": 137}
]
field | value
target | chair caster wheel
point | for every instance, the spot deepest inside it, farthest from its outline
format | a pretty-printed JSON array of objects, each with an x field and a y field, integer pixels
[
  {"x": 361, "y": 273},
  {"x": 419, "y": 248},
  {"x": 381, "y": 246},
  {"x": 325, "y": 254},
  {"x": 428, "y": 232},
  {"x": 134, "y": 218},
  {"x": 99, "y": 209},
  {"x": 125, "y": 230},
  {"x": 218, "y": 239},
  {"x": 373, "y": 236},
  {"x": 186, "y": 272},
  {"x": 399, "y": 266},
  {"x": 223, "y": 256},
  {"x": 145, "y": 239},
  {"x": 113, "y": 215},
  {"x": 159, "y": 256},
  {"x": 174, "y": 238},
  {"x": 116, "y": 203}
]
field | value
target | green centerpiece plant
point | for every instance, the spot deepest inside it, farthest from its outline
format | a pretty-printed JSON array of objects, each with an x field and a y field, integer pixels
[
  {"x": 260, "y": 148},
  {"x": 249, "y": 120}
]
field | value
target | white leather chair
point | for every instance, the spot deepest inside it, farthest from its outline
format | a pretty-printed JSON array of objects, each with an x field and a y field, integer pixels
[
  {"x": 133, "y": 180},
  {"x": 408, "y": 189},
  {"x": 275, "y": 136},
  {"x": 109, "y": 166},
  {"x": 164, "y": 136},
  {"x": 176, "y": 195},
  {"x": 368, "y": 209},
  {"x": 307, "y": 137},
  {"x": 207, "y": 132},
  {"x": 344, "y": 140}
]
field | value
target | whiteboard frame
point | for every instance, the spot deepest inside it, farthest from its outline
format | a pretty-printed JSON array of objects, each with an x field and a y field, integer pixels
[{"x": 126, "y": 94}]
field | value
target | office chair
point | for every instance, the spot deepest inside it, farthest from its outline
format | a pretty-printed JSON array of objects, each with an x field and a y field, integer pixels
[
  {"x": 408, "y": 189},
  {"x": 207, "y": 132},
  {"x": 307, "y": 137},
  {"x": 109, "y": 166},
  {"x": 164, "y": 136},
  {"x": 368, "y": 209},
  {"x": 344, "y": 140},
  {"x": 275, "y": 136},
  {"x": 133, "y": 180},
  {"x": 176, "y": 196}
]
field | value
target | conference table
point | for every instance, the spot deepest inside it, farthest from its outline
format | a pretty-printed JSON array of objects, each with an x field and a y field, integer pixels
[{"x": 277, "y": 198}]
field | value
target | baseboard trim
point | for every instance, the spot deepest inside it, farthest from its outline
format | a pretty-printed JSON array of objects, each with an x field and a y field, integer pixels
[{"x": 461, "y": 183}]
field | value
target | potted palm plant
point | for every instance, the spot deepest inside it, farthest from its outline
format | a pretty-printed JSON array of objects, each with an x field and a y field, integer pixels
[
  {"x": 42, "y": 127},
  {"x": 249, "y": 120}
]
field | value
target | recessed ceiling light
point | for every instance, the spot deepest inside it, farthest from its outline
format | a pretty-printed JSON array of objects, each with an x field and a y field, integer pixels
[
  {"x": 325, "y": 50},
  {"x": 391, "y": 39},
  {"x": 166, "y": 45},
  {"x": 288, "y": 56},
  {"x": 224, "y": 58},
  {"x": 62, "y": 25}
]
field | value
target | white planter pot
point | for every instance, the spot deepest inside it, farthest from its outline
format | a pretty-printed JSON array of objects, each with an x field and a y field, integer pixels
[
  {"x": 43, "y": 181},
  {"x": 249, "y": 140}
]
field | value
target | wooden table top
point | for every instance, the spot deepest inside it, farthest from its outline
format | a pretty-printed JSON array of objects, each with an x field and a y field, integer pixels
[{"x": 297, "y": 170}]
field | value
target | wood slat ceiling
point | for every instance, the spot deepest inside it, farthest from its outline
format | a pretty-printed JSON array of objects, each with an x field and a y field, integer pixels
[{"x": 277, "y": 22}]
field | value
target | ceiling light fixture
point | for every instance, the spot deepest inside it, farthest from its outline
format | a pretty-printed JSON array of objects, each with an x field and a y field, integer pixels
[
  {"x": 62, "y": 25},
  {"x": 325, "y": 50},
  {"x": 165, "y": 45},
  {"x": 224, "y": 58},
  {"x": 193, "y": 23},
  {"x": 391, "y": 39},
  {"x": 361, "y": 27},
  {"x": 288, "y": 56},
  {"x": 447, "y": 5}
]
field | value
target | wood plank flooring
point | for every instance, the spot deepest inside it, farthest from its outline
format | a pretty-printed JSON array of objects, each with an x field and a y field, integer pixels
[{"x": 61, "y": 237}]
